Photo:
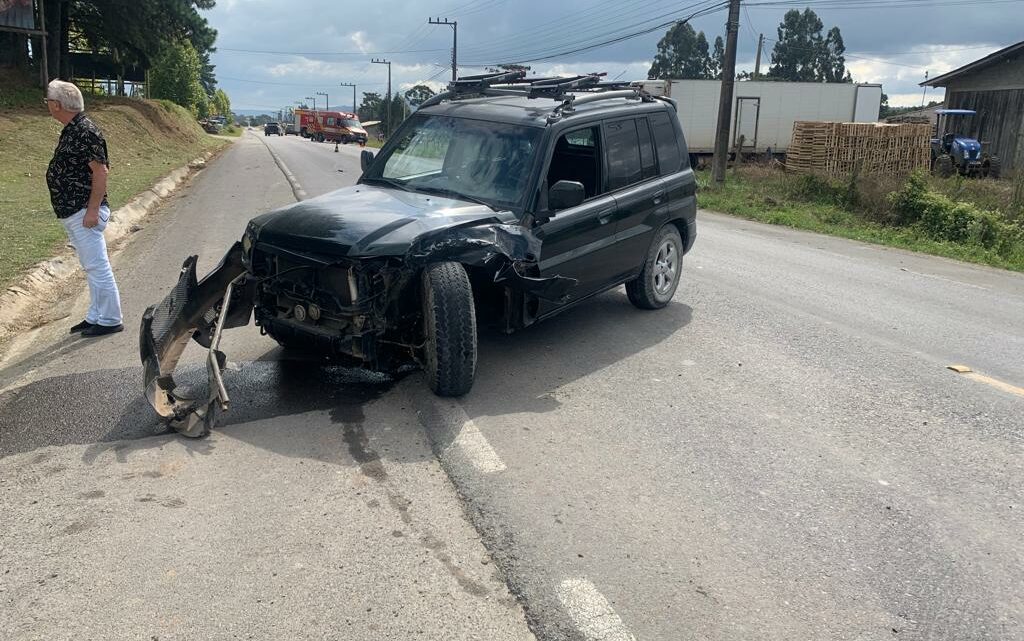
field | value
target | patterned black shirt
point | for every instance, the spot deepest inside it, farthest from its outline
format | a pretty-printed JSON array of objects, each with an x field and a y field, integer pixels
[{"x": 69, "y": 177}]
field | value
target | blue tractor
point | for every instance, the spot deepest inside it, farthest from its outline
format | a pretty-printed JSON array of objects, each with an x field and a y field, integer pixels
[{"x": 953, "y": 153}]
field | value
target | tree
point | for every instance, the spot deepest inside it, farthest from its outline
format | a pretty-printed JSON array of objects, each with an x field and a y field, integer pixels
[
  {"x": 682, "y": 54},
  {"x": 221, "y": 104},
  {"x": 833, "y": 62},
  {"x": 803, "y": 54},
  {"x": 718, "y": 59},
  {"x": 372, "y": 107},
  {"x": 131, "y": 33},
  {"x": 175, "y": 76},
  {"x": 418, "y": 95}
]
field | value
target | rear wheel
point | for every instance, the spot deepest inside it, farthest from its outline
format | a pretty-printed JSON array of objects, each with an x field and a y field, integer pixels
[
  {"x": 994, "y": 169},
  {"x": 449, "y": 324},
  {"x": 662, "y": 270}
]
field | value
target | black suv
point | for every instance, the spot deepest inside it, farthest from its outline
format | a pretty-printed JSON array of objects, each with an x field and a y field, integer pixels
[
  {"x": 272, "y": 128},
  {"x": 503, "y": 200}
]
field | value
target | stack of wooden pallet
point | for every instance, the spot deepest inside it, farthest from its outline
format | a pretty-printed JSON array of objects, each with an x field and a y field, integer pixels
[{"x": 843, "y": 148}]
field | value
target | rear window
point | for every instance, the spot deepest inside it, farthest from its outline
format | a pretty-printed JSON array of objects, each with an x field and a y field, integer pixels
[{"x": 669, "y": 156}]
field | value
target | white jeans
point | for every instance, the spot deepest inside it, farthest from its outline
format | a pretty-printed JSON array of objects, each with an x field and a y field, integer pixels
[{"x": 104, "y": 299}]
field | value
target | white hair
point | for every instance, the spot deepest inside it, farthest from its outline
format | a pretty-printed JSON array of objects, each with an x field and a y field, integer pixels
[{"x": 67, "y": 94}]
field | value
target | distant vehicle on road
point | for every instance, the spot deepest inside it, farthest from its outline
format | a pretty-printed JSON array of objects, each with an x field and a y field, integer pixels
[
  {"x": 504, "y": 200},
  {"x": 291, "y": 129},
  {"x": 330, "y": 126},
  {"x": 272, "y": 128}
]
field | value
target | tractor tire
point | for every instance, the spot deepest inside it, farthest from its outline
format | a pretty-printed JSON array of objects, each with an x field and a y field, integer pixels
[
  {"x": 944, "y": 166},
  {"x": 449, "y": 328},
  {"x": 994, "y": 169}
]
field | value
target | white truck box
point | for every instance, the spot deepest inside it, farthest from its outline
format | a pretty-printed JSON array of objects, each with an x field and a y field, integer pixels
[{"x": 764, "y": 111}]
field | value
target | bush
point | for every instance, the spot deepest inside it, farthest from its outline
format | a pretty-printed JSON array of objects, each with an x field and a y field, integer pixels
[{"x": 942, "y": 218}]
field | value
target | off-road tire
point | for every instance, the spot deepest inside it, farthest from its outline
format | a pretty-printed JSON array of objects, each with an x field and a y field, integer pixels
[
  {"x": 449, "y": 328},
  {"x": 944, "y": 166},
  {"x": 995, "y": 168},
  {"x": 664, "y": 260}
]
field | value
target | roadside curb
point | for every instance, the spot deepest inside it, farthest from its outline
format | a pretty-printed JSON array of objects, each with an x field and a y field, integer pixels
[{"x": 19, "y": 303}]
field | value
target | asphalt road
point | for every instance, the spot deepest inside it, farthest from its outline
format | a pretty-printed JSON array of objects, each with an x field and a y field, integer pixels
[{"x": 781, "y": 453}]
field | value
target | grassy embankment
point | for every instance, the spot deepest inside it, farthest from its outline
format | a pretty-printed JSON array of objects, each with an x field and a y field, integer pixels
[
  {"x": 969, "y": 220},
  {"x": 145, "y": 139}
]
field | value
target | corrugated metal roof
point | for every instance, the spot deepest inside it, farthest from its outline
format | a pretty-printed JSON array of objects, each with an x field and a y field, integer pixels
[{"x": 940, "y": 81}]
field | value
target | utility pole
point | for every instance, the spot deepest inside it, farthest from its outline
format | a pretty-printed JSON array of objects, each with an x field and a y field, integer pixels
[
  {"x": 455, "y": 43},
  {"x": 387, "y": 105},
  {"x": 313, "y": 98},
  {"x": 327, "y": 100},
  {"x": 732, "y": 27},
  {"x": 355, "y": 107},
  {"x": 757, "y": 65},
  {"x": 925, "y": 92}
]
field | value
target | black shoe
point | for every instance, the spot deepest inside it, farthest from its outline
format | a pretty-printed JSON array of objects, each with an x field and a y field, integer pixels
[
  {"x": 102, "y": 330},
  {"x": 84, "y": 325}
]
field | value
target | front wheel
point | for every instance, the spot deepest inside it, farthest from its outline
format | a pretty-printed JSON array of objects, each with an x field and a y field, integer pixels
[
  {"x": 449, "y": 327},
  {"x": 662, "y": 270}
]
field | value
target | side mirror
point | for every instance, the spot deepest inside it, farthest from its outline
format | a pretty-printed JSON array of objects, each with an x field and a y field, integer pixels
[
  {"x": 366, "y": 159},
  {"x": 565, "y": 194}
]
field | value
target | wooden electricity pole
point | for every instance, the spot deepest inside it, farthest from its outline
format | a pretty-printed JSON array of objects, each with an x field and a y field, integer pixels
[{"x": 732, "y": 28}]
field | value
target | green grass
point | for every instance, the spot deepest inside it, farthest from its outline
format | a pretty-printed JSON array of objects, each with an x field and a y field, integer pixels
[
  {"x": 232, "y": 131},
  {"x": 146, "y": 140},
  {"x": 771, "y": 196}
]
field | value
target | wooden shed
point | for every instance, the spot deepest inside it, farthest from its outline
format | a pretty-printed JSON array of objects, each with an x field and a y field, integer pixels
[{"x": 992, "y": 86}]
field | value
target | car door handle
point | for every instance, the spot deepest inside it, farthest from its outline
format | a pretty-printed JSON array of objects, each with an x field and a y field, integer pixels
[
  {"x": 657, "y": 197},
  {"x": 604, "y": 217}
]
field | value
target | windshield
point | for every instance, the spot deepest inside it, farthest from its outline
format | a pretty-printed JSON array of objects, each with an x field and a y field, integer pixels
[
  {"x": 481, "y": 160},
  {"x": 351, "y": 123}
]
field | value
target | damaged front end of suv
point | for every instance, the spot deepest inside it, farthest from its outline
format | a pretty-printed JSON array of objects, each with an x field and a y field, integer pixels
[{"x": 358, "y": 306}]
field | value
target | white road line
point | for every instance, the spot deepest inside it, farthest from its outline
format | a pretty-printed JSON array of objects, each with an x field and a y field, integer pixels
[
  {"x": 297, "y": 190},
  {"x": 591, "y": 612},
  {"x": 470, "y": 441},
  {"x": 942, "y": 278}
]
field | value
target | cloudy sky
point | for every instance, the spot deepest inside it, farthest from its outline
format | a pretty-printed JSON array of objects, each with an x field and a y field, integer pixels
[{"x": 273, "y": 53}]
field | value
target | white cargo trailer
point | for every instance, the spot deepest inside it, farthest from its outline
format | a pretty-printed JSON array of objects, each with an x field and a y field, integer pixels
[{"x": 764, "y": 112}]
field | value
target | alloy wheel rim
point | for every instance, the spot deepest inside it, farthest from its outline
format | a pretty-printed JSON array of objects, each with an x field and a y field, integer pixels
[{"x": 666, "y": 267}]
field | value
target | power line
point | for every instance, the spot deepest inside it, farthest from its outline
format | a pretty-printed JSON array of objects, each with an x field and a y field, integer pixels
[
  {"x": 540, "y": 56},
  {"x": 553, "y": 29},
  {"x": 582, "y": 25},
  {"x": 286, "y": 84},
  {"x": 327, "y": 53},
  {"x": 874, "y": 4}
]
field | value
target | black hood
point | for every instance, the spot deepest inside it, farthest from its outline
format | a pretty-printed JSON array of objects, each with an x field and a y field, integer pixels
[{"x": 366, "y": 220}]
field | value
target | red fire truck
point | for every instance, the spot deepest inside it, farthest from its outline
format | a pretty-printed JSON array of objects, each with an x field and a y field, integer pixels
[{"x": 332, "y": 126}]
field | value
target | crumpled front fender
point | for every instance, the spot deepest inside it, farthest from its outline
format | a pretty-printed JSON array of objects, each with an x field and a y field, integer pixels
[{"x": 512, "y": 251}]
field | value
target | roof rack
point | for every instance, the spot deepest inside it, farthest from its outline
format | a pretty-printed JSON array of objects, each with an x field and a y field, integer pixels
[{"x": 572, "y": 90}]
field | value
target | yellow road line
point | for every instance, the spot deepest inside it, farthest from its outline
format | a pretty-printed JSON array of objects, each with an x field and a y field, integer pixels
[{"x": 988, "y": 380}]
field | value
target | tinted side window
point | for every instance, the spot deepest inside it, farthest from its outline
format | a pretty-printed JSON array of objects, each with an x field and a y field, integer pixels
[
  {"x": 647, "y": 161},
  {"x": 624, "y": 167},
  {"x": 669, "y": 157},
  {"x": 576, "y": 158}
]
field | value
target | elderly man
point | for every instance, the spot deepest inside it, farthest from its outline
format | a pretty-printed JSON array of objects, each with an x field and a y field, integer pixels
[{"x": 77, "y": 178}]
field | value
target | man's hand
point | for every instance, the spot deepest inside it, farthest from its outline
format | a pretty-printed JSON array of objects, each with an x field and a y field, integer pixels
[{"x": 91, "y": 218}]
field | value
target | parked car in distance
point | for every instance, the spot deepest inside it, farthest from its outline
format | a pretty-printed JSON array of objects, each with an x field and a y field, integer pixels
[
  {"x": 291, "y": 129},
  {"x": 272, "y": 128}
]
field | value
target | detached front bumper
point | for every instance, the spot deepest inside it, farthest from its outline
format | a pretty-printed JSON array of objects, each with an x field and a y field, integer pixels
[{"x": 200, "y": 310}]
